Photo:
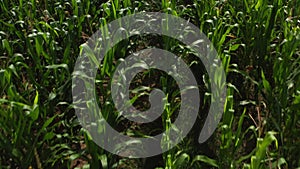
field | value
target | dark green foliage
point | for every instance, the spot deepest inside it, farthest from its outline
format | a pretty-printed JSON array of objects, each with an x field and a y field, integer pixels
[{"x": 257, "y": 40}]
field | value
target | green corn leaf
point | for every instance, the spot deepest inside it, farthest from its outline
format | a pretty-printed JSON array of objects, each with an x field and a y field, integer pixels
[
  {"x": 103, "y": 159},
  {"x": 48, "y": 122},
  {"x": 258, "y": 4},
  {"x": 182, "y": 160},
  {"x": 262, "y": 145},
  {"x": 206, "y": 160},
  {"x": 7, "y": 46},
  {"x": 234, "y": 47},
  {"x": 36, "y": 99},
  {"x": 34, "y": 113},
  {"x": 266, "y": 84}
]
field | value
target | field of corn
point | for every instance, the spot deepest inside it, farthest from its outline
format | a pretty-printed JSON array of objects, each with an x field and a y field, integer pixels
[{"x": 258, "y": 42}]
